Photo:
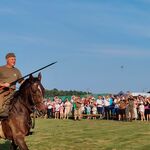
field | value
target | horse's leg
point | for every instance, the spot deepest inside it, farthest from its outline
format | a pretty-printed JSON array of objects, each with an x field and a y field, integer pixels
[
  {"x": 19, "y": 140},
  {"x": 13, "y": 146}
]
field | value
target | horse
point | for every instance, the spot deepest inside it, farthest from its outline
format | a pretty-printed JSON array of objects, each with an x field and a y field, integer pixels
[{"x": 24, "y": 101}]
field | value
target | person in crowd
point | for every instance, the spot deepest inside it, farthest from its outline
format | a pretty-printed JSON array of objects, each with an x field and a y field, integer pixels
[
  {"x": 82, "y": 106},
  {"x": 57, "y": 109},
  {"x": 100, "y": 106},
  {"x": 111, "y": 106},
  {"x": 142, "y": 111},
  {"x": 106, "y": 107},
  {"x": 94, "y": 111},
  {"x": 129, "y": 108},
  {"x": 67, "y": 107},
  {"x": 122, "y": 108},
  {"x": 147, "y": 109},
  {"x": 49, "y": 108},
  {"x": 135, "y": 107},
  {"x": 77, "y": 108},
  {"x": 61, "y": 110},
  {"x": 72, "y": 104},
  {"x": 88, "y": 111},
  {"x": 116, "y": 107},
  {"x": 53, "y": 109}
]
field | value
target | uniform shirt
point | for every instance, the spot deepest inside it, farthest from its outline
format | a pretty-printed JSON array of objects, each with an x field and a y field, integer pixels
[{"x": 9, "y": 75}]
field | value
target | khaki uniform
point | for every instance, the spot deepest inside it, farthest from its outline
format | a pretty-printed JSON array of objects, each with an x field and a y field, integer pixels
[
  {"x": 7, "y": 75},
  {"x": 5, "y": 99}
]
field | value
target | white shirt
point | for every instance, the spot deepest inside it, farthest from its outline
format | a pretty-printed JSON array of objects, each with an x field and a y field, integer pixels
[
  {"x": 99, "y": 103},
  {"x": 141, "y": 108},
  {"x": 106, "y": 102},
  {"x": 57, "y": 106}
]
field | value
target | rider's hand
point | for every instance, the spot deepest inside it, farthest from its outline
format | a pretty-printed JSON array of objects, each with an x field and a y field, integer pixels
[{"x": 6, "y": 84}]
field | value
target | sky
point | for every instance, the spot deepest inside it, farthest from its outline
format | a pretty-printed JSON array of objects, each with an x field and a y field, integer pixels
[{"x": 101, "y": 46}]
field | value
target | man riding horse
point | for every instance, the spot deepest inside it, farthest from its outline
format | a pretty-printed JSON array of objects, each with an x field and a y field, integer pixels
[{"x": 8, "y": 74}]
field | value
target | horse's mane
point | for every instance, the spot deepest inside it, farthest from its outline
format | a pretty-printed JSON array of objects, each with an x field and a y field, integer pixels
[
  {"x": 20, "y": 94},
  {"x": 25, "y": 85}
]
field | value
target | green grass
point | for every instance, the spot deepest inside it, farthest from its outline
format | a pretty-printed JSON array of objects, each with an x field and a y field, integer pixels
[{"x": 87, "y": 135}]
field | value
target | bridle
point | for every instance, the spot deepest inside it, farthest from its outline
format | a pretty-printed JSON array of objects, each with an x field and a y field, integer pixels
[{"x": 35, "y": 94}]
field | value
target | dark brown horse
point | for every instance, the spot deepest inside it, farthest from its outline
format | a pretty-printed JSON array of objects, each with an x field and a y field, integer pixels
[{"x": 18, "y": 124}]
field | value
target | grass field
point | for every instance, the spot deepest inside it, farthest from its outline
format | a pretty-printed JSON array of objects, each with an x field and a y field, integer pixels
[{"x": 87, "y": 135}]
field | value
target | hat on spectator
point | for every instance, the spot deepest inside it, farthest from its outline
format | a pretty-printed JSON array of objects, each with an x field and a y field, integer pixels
[{"x": 10, "y": 55}]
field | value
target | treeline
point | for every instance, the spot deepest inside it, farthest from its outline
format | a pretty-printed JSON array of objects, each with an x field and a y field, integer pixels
[{"x": 56, "y": 92}]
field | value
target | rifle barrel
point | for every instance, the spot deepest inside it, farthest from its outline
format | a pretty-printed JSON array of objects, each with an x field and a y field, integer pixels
[{"x": 33, "y": 72}]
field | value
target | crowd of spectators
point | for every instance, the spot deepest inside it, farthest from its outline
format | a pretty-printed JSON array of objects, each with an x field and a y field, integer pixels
[{"x": 117, "y": 107}]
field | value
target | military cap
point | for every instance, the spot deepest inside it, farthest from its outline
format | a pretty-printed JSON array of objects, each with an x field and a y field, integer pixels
[{"x": 10, "y": 55}]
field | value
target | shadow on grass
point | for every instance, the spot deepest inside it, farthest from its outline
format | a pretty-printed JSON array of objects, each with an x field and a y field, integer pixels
[{"x": 5, "y": 145}]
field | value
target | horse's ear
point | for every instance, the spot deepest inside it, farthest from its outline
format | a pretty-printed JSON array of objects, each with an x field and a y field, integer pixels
[
  {"x": 30, "y": 77},
  {"x": 39, "y": 76}
]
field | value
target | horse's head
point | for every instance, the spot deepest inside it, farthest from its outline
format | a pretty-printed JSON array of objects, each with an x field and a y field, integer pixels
[{"x": 34, "y": 91}]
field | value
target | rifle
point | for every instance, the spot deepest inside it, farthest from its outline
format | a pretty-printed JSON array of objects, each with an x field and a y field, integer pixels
[{"x": 14, "y": 82}]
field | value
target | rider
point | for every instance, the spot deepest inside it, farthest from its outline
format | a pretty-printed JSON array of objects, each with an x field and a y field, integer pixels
[{"x": 8, "y": 74}]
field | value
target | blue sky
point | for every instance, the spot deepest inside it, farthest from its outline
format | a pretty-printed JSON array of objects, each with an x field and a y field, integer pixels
[{"x": 100, "y": 45}]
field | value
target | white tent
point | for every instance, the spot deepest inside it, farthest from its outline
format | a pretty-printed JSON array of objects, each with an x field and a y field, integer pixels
[{"x": 140, "y": 93}]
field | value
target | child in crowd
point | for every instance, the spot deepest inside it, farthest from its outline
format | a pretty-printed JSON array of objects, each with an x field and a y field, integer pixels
[
  {"x": 94, "y": 111},
  {"x": 88, "y": 110}
]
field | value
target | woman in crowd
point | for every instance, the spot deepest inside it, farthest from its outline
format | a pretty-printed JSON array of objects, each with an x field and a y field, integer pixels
[{"x": 67, "y": 108}]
